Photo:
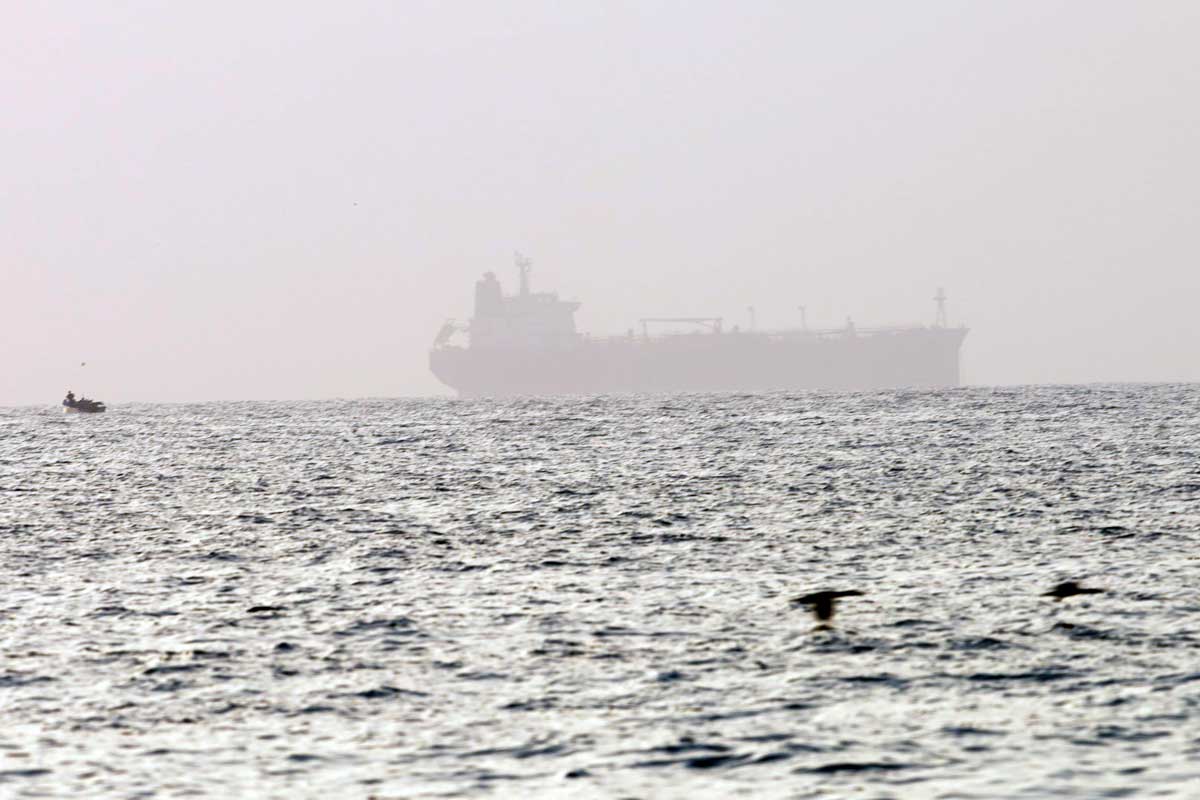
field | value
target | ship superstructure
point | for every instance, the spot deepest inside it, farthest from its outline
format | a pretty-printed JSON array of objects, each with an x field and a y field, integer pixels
[{"x": 527, "y": 344}]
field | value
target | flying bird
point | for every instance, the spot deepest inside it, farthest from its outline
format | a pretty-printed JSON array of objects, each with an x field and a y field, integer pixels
[
  {"x": 823, "y": 603},
  {"x": 1069, "y": 589}
]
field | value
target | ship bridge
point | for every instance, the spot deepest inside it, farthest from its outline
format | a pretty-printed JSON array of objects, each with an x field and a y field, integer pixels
[{"x": 526, "y": 320}]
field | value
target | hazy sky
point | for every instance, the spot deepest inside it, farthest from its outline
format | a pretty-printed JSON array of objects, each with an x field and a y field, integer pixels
[{"x": 230, "y": 200}]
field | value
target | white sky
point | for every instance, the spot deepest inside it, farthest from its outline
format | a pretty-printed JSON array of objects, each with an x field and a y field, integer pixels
[{"x": 230, "y": 200}]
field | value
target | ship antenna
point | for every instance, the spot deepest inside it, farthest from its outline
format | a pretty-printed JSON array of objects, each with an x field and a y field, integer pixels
[
  {"x": 940, "y": 299},
  {"x": 523, "y": 265}
]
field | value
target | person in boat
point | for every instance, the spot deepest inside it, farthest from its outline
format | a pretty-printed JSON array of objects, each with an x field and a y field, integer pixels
[{"x": 70, "y": 401}]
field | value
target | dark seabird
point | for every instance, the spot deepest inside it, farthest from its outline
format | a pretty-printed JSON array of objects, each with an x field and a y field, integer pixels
[
  {"x": 823, "y": 602},
  {"x": 1070, "y": 589}
]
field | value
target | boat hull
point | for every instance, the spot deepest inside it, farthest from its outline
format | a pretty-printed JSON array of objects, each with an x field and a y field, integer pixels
[{"x": 731, "y": 362}]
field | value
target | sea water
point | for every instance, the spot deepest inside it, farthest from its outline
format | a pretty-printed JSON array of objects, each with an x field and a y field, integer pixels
[{"x": 590, "y": 597}]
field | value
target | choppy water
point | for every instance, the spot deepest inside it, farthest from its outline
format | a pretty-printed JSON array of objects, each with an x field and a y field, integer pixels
[{"x": 589, "y": 597}]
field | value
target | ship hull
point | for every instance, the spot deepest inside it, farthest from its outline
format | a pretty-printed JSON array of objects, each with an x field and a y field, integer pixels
[{"x": 918, "y": 357}]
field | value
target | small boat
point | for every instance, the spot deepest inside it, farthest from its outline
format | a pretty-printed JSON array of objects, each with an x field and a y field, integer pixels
[{"x": 82, "y": 405}]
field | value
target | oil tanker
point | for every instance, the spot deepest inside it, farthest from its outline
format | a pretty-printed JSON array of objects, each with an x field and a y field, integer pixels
[{"x": 526, "y": 344}]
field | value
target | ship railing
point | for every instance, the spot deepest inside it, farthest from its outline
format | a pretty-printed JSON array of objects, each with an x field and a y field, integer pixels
[{"x": 791, "y": 335}]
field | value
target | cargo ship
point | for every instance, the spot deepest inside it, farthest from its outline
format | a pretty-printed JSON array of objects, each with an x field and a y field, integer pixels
[{"x": 526, "y": 344}]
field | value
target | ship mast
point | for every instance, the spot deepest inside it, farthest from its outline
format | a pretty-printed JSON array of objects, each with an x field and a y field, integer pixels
[
  {"x": 940, "y": 299},
  {"x": 523, "y": 265}
]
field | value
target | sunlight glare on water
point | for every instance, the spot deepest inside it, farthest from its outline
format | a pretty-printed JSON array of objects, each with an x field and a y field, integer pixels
[{"x": 591, "y": 596}]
